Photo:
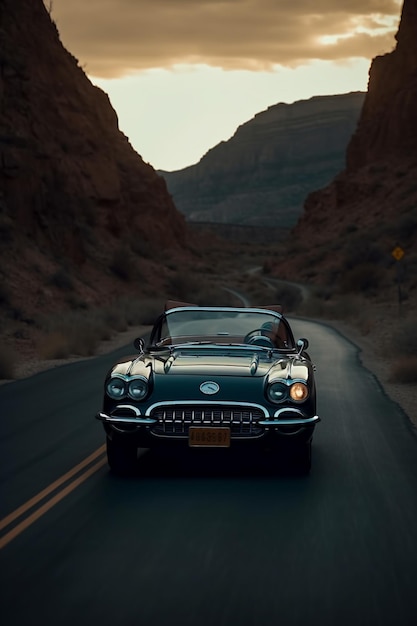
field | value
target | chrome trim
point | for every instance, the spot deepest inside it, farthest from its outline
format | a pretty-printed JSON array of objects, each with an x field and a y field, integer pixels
[
  {"x": 299, "y": 421},
  {"x": 209, "y": 388},
  {"x": 238, "y": 347},
  {"x": 132, "y": 364},
  {"x": 114, "y": 419},
  {"x": 287, "y": 381},
  {"x": 198, "y": 403},
  {"x": 231, "y": 309},
  {"x": 175, "y": 419},
  {"x": 185, "y": 436},
  {"x": 254, "y": 365},
  {"x": 127, "y": 378},
  {"x": 169, "y": 362},
  {"x": 135, "y": 409}
]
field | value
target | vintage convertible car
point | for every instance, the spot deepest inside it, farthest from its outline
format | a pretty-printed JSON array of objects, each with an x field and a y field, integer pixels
[{"x": 212, "y": 377}]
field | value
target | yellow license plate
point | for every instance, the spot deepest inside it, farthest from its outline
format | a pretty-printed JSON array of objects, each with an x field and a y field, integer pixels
[{"x": 208, "y": 437}]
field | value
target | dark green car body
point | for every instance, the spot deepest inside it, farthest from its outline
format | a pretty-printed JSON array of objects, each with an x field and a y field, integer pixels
[{"x": 212, "y": 377}]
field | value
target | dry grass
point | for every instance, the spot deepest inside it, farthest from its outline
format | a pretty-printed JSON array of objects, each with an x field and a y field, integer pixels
[
  {"x": 404, "y": 338},
  {"x": 404, "y": 370},
  {"x": 403, "y": 345},
  {"x": 8, "y": 361},
  {"x": 80, "y": 332}
]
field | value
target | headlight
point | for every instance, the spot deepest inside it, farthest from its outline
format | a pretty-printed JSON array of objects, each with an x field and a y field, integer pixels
[
  {"x": 299, "y": 392},
  {"x": 115, "y": 388},
  {"x": 138, "y": 388},
  {"x": 277, "y": 392}
]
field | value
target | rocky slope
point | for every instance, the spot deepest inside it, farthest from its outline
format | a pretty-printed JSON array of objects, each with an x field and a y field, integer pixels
[
  {"x": 349, "y": 229},
  {"x": 264, "y": 172},
  {"x": 78, "y": 206}
]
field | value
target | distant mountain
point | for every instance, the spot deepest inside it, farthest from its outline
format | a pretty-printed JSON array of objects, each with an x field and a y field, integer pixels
[{"x": 262, "y": 175}]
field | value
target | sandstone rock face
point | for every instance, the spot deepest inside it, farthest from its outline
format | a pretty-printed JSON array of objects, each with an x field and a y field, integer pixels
[
  {"x": 73, "y": 191},
  {"x": 388, "y": 123},
  {"x": 352, "y": 226},
  {"x": 262, "y": 175}
]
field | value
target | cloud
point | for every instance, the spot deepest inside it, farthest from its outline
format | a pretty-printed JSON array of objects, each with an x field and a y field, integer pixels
[{"x": 112, "y": 38}]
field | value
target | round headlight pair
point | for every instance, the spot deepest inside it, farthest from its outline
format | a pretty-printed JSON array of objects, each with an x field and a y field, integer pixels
[
  {"x": 299, "y": 392},
  {"x": 138, "y": 388},
  {"x": 118, "y": 388},
  {"x": 278, "y": 392}
]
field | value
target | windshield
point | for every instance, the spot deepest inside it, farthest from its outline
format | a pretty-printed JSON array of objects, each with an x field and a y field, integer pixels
[{"x": 225, "y": 326}]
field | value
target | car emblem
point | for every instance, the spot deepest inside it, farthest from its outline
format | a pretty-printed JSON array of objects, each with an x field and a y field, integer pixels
[{"x": 209, "y": 388}]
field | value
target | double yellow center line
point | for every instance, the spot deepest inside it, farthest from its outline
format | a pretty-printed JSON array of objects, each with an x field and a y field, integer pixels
[{"x": 77, "y": 475}]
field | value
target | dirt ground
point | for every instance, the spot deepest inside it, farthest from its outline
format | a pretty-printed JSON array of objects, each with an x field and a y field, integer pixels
[{"x": 404, "y": 394}]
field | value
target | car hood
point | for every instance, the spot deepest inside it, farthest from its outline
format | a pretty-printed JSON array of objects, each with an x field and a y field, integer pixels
[
  {"x": 233, "y": 363},
  {"x": 222, "y": 365}
]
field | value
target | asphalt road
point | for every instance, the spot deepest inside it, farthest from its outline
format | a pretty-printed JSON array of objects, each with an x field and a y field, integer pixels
[{"x": 191, "y": 543}]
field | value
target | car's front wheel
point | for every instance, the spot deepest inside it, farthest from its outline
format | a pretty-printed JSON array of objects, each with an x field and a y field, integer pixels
[
  {"x": 302, "y": 458},
  {"x": 295, "y": 458},
  {"x": 122, "y": 456}
]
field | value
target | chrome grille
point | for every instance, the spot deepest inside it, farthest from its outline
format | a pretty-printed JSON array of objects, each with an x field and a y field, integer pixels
[{"x": 175, "y": 420}]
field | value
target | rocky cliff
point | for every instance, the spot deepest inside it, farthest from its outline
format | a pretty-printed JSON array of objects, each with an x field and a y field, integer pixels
[
  {"x": 262, "y": 175},
  {"x": 388, "y": 124},
  {"x": 75, "y": 198},
  {"x": 349, "y": 229}
]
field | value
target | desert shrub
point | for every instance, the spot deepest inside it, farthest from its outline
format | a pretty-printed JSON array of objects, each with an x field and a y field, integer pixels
[
  {"x": 6, "y": 229},
  {"x": 361, "y": 250},
  {"x": 54, "y": 345},
  {"x": 75, "y": 302},
  {"x": 69, "y": 334},
  {"x": 79, "y": 332},
  {"x": 351, "y": 228},
  {"x": 404, "y": 337},
  {"x": 85, "y": 339},
  {"x": 4, "y": 295},
  {"x": 142, "y": 247},
  {"x": 323, "y": 292},
  {"x": 7, "y": 363},
  {"x": 62, "y": 280},
  {"x": 289, "y": 296},
  {"x": 337, "y": 308},
  {"x": 313, "y": 306},
  {"x": 184, "y": 285},
  {"x": 377, "y": 169},
  {"x": 406, "y": 228},
  {"x": 114, "y": 318},
  {"x": 144, "y": 311},
  {"x": 366, "y": 247},
  {"x": 363, "y": 278},
  {"x": 404, "y": 370},
  {"x": 123, "y": 265}
]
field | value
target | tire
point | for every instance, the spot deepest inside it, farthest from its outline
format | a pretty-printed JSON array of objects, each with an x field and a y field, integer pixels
[
  {"x": 122, "y": 456},
  {"x": 302, "y": 459}
]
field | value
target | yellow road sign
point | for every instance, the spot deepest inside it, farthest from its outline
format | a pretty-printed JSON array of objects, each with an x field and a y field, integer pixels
[{"x": 398, "y": 253}]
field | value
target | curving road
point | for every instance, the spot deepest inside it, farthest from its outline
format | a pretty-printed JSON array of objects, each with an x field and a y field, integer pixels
[{"x": 200, "y": 544}]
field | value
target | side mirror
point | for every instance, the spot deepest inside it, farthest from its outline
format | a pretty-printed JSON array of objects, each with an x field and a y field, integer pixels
[
  {"x": 302, "y": 344},
  {"x": 139, "y": 344}
]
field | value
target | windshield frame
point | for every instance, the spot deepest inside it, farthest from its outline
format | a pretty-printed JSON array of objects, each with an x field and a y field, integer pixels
[{"x": 218, "y": 325}]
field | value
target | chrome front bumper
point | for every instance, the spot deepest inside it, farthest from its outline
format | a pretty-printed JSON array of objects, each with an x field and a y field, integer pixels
[{"x": 276, "y": 420}]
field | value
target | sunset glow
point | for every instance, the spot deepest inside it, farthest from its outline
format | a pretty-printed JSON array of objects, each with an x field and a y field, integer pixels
[{"x": 182, "y": 76}]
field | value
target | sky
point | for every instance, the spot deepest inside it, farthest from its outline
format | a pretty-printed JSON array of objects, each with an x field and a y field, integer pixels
[{"x": 183, "y": 75}]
